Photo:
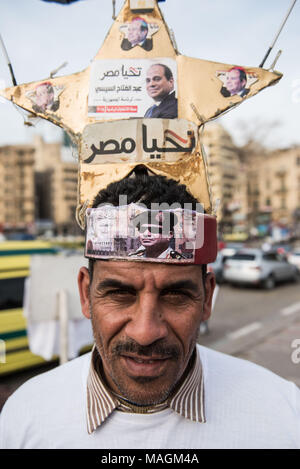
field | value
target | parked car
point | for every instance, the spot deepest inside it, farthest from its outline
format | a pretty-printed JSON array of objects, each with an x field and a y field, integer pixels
[
  {"x": 294, "y": 258},
  {"x": 256, "y": 267},
  {"x": 218, "y": 265}
]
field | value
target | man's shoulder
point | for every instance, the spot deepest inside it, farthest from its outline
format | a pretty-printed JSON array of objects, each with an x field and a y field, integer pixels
[
  {"x": 244, "y": 376},
  {"x": 45, "y": 386},
  {"x": 171, "y": 98},
  {"x": 34, "y": 414}
]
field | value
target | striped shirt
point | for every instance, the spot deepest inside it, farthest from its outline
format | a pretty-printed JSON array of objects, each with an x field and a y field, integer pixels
[{"x": 187, "y": 401}]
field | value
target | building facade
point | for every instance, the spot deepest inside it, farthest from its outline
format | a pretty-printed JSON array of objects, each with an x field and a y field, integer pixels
[
  {"x": 56, "y": 184},
  {"x": 225, "y": 176},
  {"x": 17, "y": 191},
  {"x": 274, "y": 188},
  {"x": 38, "y": 184}
]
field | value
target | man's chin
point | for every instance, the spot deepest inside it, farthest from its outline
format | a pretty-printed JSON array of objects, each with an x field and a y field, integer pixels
[
  {"x": 145, "y": 390},
  {"x": 146, "y": 397}
]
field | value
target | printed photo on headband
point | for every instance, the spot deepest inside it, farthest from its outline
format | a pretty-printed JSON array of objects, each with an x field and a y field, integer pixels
[{"x": 134, "y": 232}]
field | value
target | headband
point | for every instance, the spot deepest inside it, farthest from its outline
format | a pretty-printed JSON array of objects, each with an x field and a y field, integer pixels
[{"x": 134, "y": 232}]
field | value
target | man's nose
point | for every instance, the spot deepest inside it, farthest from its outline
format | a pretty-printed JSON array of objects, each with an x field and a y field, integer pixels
[{"x": 147, "y": 324}]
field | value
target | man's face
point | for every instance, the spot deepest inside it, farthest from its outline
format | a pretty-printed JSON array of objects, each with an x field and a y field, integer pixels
[
  {"x": 43, "y": 96},
  {"x": 151, "y": 234},
  {"x": 234, "y": 84},
  {"x": 102, "y": 227},
  {"x": 145, "y": 321},
  {"x": 157, "y": 84},
  {"x": 135, "y": 33}
]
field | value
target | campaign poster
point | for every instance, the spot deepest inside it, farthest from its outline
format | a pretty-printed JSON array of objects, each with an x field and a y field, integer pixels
[{"x": 131, "y": 88}]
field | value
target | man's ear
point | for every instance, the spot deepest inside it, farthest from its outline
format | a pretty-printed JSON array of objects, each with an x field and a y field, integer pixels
[
  {"x": 209, "y": 285},
  {"x": 84, "y": 291}
]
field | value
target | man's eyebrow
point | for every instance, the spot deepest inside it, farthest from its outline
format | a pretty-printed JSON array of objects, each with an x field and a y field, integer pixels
[
  {"x": 183, "y": 285},
  {"x": 179, "y": 285},
  {"x": 113, "y": 283}
]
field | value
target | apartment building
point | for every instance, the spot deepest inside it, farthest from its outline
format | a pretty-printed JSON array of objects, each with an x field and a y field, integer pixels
[
  {"x": 274, "y": 186},
  {"x": 17, "y": 192},
  {"x": 56, "y": 184},
  {"x": 38, "y": 182},
  {"x": 225, "y": 175}
]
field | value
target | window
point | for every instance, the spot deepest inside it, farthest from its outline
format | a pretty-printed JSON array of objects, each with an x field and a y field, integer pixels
[
  {"x": 11, "y": 293},
  {"x": 271, "y": 256},
  {"x": 243, "y": 257}
]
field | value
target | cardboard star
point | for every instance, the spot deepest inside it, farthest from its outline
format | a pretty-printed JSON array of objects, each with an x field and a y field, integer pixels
[
  {"x": 113, "y": 89},
  {"x": 198, "y": 84}
]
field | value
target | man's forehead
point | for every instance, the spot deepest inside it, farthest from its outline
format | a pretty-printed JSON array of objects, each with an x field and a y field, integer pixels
[
  {"x": 135, "y": 270},
  {"x": 137, "y": 24},
  {"x": 234, "y": 73},
  {"x": 157, "y": 69}
]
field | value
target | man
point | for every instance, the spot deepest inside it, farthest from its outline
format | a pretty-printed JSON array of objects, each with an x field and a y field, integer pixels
[
  {"x": 44, "y": 98},
  {"x": 147, "y": 384},
  {"x": 155, "y": 240},
  {"x": 160, "y": 86},
  {"x": 137, "y": 35},
  {"x": 235, "y": 84}
]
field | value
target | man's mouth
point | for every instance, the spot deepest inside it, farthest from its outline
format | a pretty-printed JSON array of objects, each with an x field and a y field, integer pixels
[
  {"x": 144, "y": 366},
  {"x": 145, "y": 359}
]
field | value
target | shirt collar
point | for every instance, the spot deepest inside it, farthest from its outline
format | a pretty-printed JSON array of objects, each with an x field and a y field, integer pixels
[{"x": 187, "y": 401}]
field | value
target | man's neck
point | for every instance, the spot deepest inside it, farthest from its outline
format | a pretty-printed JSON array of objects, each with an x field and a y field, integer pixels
[{"x": 156, "y": 250}]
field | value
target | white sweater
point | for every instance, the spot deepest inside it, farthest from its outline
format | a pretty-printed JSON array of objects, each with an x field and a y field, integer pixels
[{"x": 246, "y": 406}]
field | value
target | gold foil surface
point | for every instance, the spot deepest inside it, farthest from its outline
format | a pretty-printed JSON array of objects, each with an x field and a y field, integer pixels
[{"x": 113, "y": 89}]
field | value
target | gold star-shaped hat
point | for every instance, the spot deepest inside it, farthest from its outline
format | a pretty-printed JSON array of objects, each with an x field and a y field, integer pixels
[{"x": 140, "y": 102}]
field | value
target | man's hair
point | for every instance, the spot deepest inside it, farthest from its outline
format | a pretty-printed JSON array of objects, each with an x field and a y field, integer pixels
[
  {"x": 141, "y": 187},
  {"x": 48, "y": 85},
  {"x": 242, "y": 72},
  {"x": 144, "y": 24},
  {"x": 167, "y": 71}
]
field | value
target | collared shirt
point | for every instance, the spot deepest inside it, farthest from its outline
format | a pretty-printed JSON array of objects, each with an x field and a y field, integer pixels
[{"x": 187, "y": 401}]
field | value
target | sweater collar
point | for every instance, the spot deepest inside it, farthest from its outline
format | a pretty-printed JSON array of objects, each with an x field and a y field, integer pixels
[{"x": 187, "y": 401}]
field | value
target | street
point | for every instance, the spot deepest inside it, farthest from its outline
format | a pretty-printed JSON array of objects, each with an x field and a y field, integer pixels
[{"x": 258, "y": 325}]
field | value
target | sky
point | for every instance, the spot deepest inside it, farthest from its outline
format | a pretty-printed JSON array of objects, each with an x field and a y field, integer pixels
[{"x": 40, "y": 36}]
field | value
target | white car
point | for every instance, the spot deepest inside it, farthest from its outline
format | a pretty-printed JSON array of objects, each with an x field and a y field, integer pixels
[
  {"x": 294, "y": 258},
  {"x": 256, "y": 267}
]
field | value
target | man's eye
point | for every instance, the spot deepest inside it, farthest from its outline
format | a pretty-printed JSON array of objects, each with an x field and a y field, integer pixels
[
  {"x": 119, "y": 293},
  {"x": 176, "y": 295}
]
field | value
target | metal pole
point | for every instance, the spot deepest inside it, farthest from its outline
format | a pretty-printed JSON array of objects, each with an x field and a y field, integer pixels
[
  {"x": 8, "y": 62},
  {"x": 277, "y": 35}
]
